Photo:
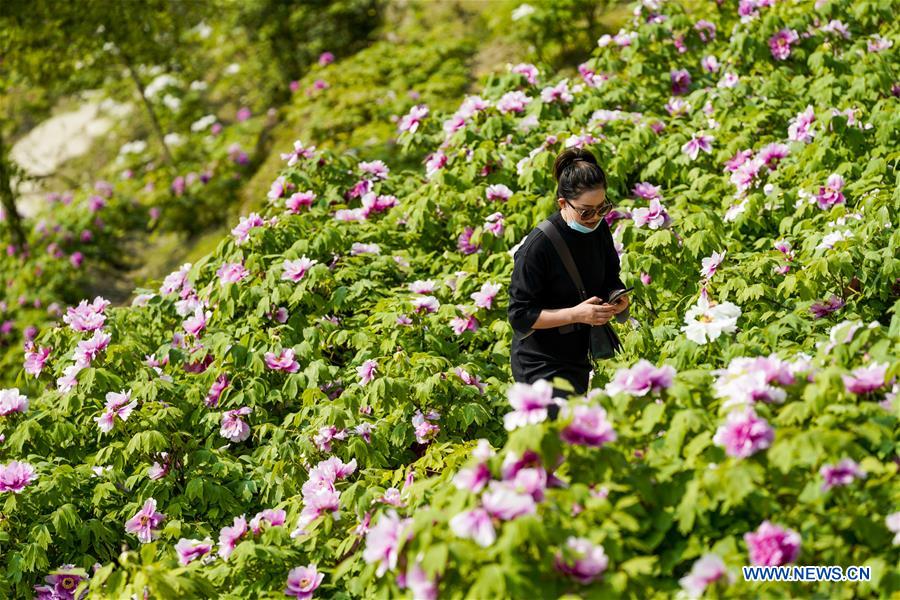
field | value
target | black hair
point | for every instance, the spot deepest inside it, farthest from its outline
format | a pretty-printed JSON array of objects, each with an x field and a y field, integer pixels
[{"x": 576, "y": 171}]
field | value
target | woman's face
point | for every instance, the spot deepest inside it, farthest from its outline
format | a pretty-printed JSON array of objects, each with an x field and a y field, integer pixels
[{"x": 589, "y": 199}]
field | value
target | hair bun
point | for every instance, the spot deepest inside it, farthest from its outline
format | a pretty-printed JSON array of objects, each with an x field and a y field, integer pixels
[{"x": 567, "y": 158}]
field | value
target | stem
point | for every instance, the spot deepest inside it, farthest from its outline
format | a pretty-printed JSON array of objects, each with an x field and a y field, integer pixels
[{"x": 150, "y": 112}]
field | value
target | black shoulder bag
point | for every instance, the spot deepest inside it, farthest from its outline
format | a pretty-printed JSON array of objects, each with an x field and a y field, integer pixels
[{"x": 603, "y": 339}]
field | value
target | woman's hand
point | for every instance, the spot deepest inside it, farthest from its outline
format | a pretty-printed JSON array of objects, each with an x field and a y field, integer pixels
[
  {"x": 594, "y": 311},
  {"x": 621, "y": 305}
]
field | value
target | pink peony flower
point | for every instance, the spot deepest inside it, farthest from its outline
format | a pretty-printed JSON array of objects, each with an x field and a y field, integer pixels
[
  {"x": 295, "y": 270},
  {"x": 241, "y": 231},
  {"x": 87, "y": 317},
  {"x": 284, "y": 361},
  {"x": 557, "y": 93},
  {"x": 641, "y": 379},
  {"x": 706, "y": 570},
  {"x": 646, "y": 190},
  {"x": 494, "y": 224},
  {"x": 423, "y": 426},
  {"x": 498, "y": 192},
  {"x": 231, "y": 273},
  {"x": 62, "y": 585},
  {"x": 230, "y": 536},
  {"x": 233, "y": 427},
  {"x": 504, "y": 501},
  {"x": 11, "y": 401},
  {"x": 366, "y": 371},
  {"x": 144, "y": 523},
  {"x": 681, "y": 81},
  {"x": 589, "y": 426},
  {"x": 771, "y": 545},
  {"x": 744, "y": 434},
  {"x": 434, "y": 162},
  {"x": 654, "y": 216},
  {"x": 274, "y": 517},
  {"x": 528, "y": 70},
  {"x": 711, "y": 263},
  {"x": 15, "y": 476},
  {"x": 485, "y": 297},
  {"x": 410, "y": 121},
  {"x": 196, "y": 322},
  {"x": 190, "y": 550},
  {"x": 303, "y": 581},
  {"x": 384, "y": 539},
  {"x": 697, "y": 143},
  {"x": 468, "y": 379},
  {"x": 87, "y": 350},
  {"x": 117, "y": 405},
  {"x": 475, "y": 525},
  {"x": 799, "y": 128},
  {"x": 428, "y": 304},
  {"x": 780, "y": 43},
  {"x": 864, "y": 380},
  {"x": 529, "y": 402},
  {"x": 298, "y": 152},
  {"x": 512, "y": 102},
  {"x": 582, "y": 560}
]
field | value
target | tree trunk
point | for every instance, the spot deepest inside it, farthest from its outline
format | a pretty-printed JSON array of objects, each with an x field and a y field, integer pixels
[
  {"x": 150, "y": 112},
  {"x": 8, "y": 199}
]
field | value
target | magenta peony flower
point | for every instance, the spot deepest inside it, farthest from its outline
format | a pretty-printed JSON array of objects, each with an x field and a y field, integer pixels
[
  {"x": 473, "y": 479},
  {"x": 144, "y": 523},
  {"x": 11, "y": 401},
  {"x": 15, "y": 476},
  {"x": 830, "y": 194},
  {"x": 557, "y": 93},
  {"x": 190, "y": 550},
  {"x": 215, "y": 391},
  {"x": 233, "y": 427},
  {"x": 468, "y": 379},
  {"x": 581, "y": 560},
  {"x": 589, "y": 426},
  {"x": 825, "y": 308},
  {"x": 241, "y": 231},
  {"x": 300, "y": 199},
  {"x": 843, "y": 473},
  {"x": 434, "y": 162},
  {"x": 230, "y": 536},
  {"x": 303, "y": 581},
  {"x": 771, "y": 154},
  {"x": 771, "y": 545},
  {"x": 295, "y": 270},
  {"x": 464, "y": 242},
  {"x": 744, "y": 434},
  {"x": 62, "y": 584},
  {"x": 864, "y": 380},
  {"x": 681, "y": 81},
  {"x": 475, "y": 525},
  {"x": 384, "y": 539},
  {"x": 326, "y": 58},
  {"x": 284, "y": 361},
  {"x": 780, "y": 43}
]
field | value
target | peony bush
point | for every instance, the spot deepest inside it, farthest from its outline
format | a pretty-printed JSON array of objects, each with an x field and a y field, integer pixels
[{"x": 323, "y": 405}]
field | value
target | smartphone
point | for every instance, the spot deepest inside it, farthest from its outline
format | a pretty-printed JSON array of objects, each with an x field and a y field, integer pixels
[{"x": 615, "y": 295}]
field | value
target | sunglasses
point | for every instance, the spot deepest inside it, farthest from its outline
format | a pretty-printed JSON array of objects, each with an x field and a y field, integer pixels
[{"x": 587, "y": 213}]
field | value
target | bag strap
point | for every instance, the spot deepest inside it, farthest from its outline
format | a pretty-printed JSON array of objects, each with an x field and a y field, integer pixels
[{"x": 565, "y": 254}]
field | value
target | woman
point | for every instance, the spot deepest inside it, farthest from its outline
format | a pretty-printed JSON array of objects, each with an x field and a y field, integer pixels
[{"x": 542, "y": 295}]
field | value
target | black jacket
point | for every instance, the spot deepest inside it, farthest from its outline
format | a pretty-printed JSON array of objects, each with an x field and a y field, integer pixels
[{"x": 540, "y": 281}]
